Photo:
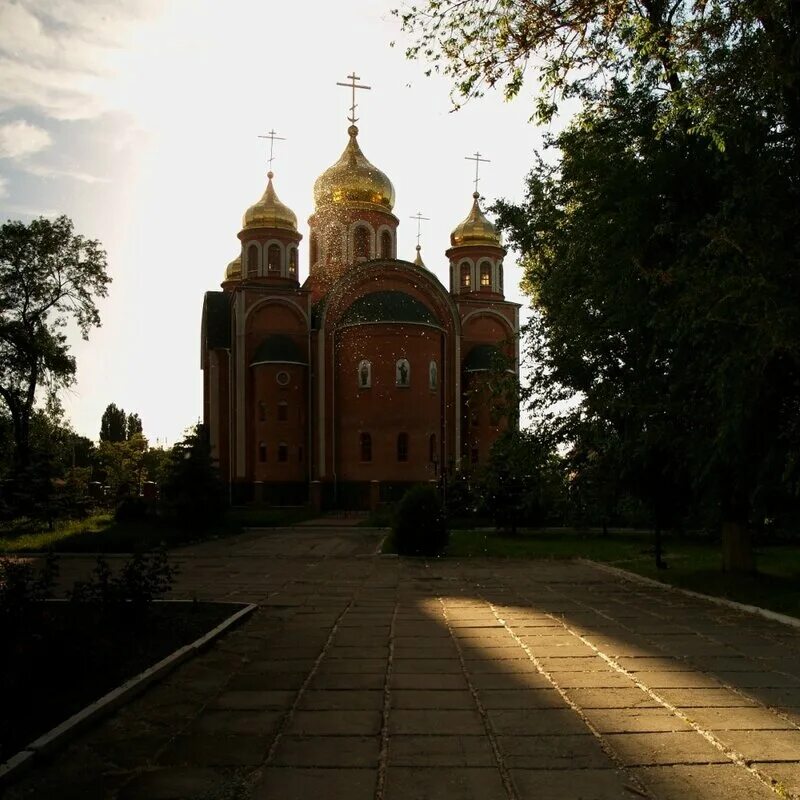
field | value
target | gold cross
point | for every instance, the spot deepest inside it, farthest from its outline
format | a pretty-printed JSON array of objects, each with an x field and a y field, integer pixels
[
  {"x": 478, "y": 161},
  {"x": 353, "y": 85},
  {"x": 272, "y": 138},
  {"x": 419, "y": 219}
]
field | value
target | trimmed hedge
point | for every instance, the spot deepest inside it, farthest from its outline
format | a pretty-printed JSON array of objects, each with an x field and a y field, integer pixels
[{"x": 420, "y": 525}]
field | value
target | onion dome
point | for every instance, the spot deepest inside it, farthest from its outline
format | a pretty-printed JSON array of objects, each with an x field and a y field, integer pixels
[
  {"x": 269, "y": 212},
  {"x": 234, "y": 270},
  {"x": 353, "y": 180},
  {"x": 418, "y": 260},
  {"x": 475, "y": 229}
]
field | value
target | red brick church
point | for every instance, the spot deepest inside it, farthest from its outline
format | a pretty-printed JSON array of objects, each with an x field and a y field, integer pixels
[{"x": 345, "y": 387}]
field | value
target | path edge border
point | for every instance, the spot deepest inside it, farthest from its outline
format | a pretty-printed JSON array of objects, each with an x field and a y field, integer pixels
[
  {"x": 775, "y": 616},
  {"x": 71, "y": 727}
]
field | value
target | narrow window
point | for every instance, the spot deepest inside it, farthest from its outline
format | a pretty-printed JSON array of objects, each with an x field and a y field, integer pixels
[
  {"x": 262, "y": 411},
  {"x": 283, "y": 411},
  {"x": 274, "y": 259},
  {"x": 252, "y": 260},
  {"x": 364, "y": 374},
  {"x": 262, "y": 452},
  {"x": 473, "y": 455},
  {"x": 293, "y": 263},
  {"x": 466, "y": 275},
  {"x": 402, "y": 372},
  {"x": 283, "y": 452},
  {"x": 500, "y": 275},
  {"x": 432, "y": 454},
  {"x": 486, "y": 275},
  {"x": 402, "y": 447},
  {"x": 365, "y": 445},
  {"x": 361, "y": 244},
  {"x": 386, "y": 245}
]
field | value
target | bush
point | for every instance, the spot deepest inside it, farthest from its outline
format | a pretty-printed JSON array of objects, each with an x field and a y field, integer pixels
[
  {"x": 131, "y": 509},
  {"x": 420, "y": 526}
]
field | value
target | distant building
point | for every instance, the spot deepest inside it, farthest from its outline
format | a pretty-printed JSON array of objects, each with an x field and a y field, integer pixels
[{"x": 366, "y": 371}]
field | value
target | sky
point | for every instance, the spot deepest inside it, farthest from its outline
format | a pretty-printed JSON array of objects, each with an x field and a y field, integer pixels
[{"x": 140, "y": 121}]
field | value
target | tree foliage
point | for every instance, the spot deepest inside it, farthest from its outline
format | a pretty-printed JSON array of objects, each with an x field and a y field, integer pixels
[{"x": 49, "y": 278}]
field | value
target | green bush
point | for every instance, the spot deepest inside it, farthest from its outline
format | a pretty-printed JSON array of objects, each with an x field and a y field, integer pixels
[
  {"x": 420, "y": 526},
  {"x": 131, "y": 509}
]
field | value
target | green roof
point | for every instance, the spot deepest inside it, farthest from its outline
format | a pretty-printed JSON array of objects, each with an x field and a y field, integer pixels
[
  {"x": 484, "y": 358},
  {"x": 389, "y": 306},
  {"x": 278, "y": 349},
  {"x": 217, "y": 320}
]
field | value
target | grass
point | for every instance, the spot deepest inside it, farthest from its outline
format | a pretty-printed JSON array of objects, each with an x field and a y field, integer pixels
[
  {"x": 693, "y": 562},
  {"x": 102, "y": 533}
]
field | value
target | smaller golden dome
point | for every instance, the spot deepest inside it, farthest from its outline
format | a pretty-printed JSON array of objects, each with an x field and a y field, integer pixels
[
  {"x": 475, "y": 229},
  {"x": 418, "y": 260},
  {"x": 234, "y": 270},
  {"x": 353, "y": 180},
  {"x": 269, "y": 212}
]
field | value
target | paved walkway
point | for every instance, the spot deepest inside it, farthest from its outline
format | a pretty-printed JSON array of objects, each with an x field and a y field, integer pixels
[{"x": 365, "y": 678}]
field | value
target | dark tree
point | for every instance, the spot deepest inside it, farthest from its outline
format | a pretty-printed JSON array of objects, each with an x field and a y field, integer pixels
[
  {"x": 133, "y": 425},
  {"x": 49, "y": 278},
  {"x": 113, "y": 424}
]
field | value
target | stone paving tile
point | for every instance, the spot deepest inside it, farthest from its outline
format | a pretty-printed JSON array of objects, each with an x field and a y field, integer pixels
[
  {"x": 216, "y": 750},
  {"x": 414, "y": 698},
  {"x": 254, "y": 700},
  {"x": 635, "y": 720},
  {"x": 566, "y": 751},
  {"x": 440, "y": 666},
  {"x": 705, "y": 782},
  {"x": 642, "y": 749},
  {"x": 291, "y": 783},
  {"x": 748, "y": 718},
  {"x": 334, "y": 680},
  {"x": 172, "y": 783},
  {"x": 785, "y": 775},
  {"x": 255, "y": 723},
  {"x": 465, "y": 722},
  {"x": 579, "y": 784},
  {"x": 343, "y": 699},
  {"x": 328, "y": 751},
  {"x": 335, "y": 723},
  {"x": 524, "y": 722},
  {"x": 612, "y": 698},
  {"x": 518, "y": 699},
  {"x": 424, "y": 681},
  {"x": 444, "y": 783},
  {"x": 782, "y": 745},
  {"x": 440, "y": 751},
  {"x": 705, "y": 698},
  {"x": 609, "y": 679}
]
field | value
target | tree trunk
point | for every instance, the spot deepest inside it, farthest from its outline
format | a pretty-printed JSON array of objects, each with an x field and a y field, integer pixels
[{"x": 737, "y": 547}]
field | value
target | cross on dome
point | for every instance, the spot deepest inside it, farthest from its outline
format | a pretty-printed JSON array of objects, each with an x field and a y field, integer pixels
[
  {"x": 353, "y": 85},
  {"x": 418, "y": 217},
  {"x": 478, "y": 161},
  {"x": 273, "y": 137}
]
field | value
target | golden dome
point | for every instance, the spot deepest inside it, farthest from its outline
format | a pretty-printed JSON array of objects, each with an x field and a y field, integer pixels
[
  {"x": 269, "y": 212},
  {"x": 475, "y": 229},
  {"x": 234, "y": 269},
  {"x": 353, "y": 180},
  {"x": 418, "y": 260}
]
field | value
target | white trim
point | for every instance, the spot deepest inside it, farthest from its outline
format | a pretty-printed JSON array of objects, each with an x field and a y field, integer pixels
[{"x": 260, "y": 363}]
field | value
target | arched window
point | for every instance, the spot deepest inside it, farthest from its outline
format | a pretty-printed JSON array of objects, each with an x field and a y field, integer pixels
[
  {"x": 361, "y": 244},
  {"x": 365, "y": 446},
  {"x": 274, "y": 259},
  {"x": 433, "y": 375},
  {"x": 364, "y": 374},
  {"x": 283, "y": 452},
  {"x": 262, "y": 452},
  {"x": 402, "y": 372},
  {"x": 386, "y": 245},
  {"x": 486, "y": 275},
  {"x": 262, "y": 411},
  {"x": 293, "y": 263},
  {"x": 433, "y": 454},
  {"x": 466, "y": 275},
  {"x": 252, "y": 260},
  {"x": 283, "y": 411},
  {"x": 500, "y": 275},
  {"x": 402, "y": 447}
]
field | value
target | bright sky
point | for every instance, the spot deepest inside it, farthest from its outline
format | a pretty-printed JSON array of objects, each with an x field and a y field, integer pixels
[{"x": 140, "y": 119}]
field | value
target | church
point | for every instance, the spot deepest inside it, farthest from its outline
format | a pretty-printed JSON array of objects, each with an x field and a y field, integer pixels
[{"x": 346, "y": 386}]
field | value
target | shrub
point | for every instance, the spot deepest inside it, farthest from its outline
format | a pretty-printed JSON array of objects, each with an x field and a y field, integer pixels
[
  {"x": 420, "y": 527},
  {"x": 131, "y": 509}
]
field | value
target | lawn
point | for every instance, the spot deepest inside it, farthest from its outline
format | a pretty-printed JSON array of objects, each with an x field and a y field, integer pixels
[
  {"x": 693, "y": 562},
  {"x": 102, "y": 533}
]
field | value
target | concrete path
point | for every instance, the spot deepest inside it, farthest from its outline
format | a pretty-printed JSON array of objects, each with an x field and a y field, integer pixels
[{"x": 370, "y": 678}]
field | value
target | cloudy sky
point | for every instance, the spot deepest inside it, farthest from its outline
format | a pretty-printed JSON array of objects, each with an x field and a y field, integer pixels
[{"x": 140, "y": 120}]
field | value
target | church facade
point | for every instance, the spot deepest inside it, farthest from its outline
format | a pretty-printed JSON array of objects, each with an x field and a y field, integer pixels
[{"x": 346, "y": 387}]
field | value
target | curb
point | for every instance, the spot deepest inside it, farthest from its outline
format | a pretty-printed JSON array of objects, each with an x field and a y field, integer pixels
[
  {"x": 775, "y": 616},
  {"x": 69, "y": 729}
]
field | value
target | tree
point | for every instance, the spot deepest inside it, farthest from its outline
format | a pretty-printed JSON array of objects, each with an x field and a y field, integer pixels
[
  {"x": 113, "y": 424},
  {"x": 49, "y": 277},
  {"x": 133, "y": 425}
]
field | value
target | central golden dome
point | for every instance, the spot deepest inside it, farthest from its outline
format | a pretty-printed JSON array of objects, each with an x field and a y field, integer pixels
[
  {"x": 475, "y": 229},
  {"x": 352, "y": 180},
  {"x": 269, "y": 212}
]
